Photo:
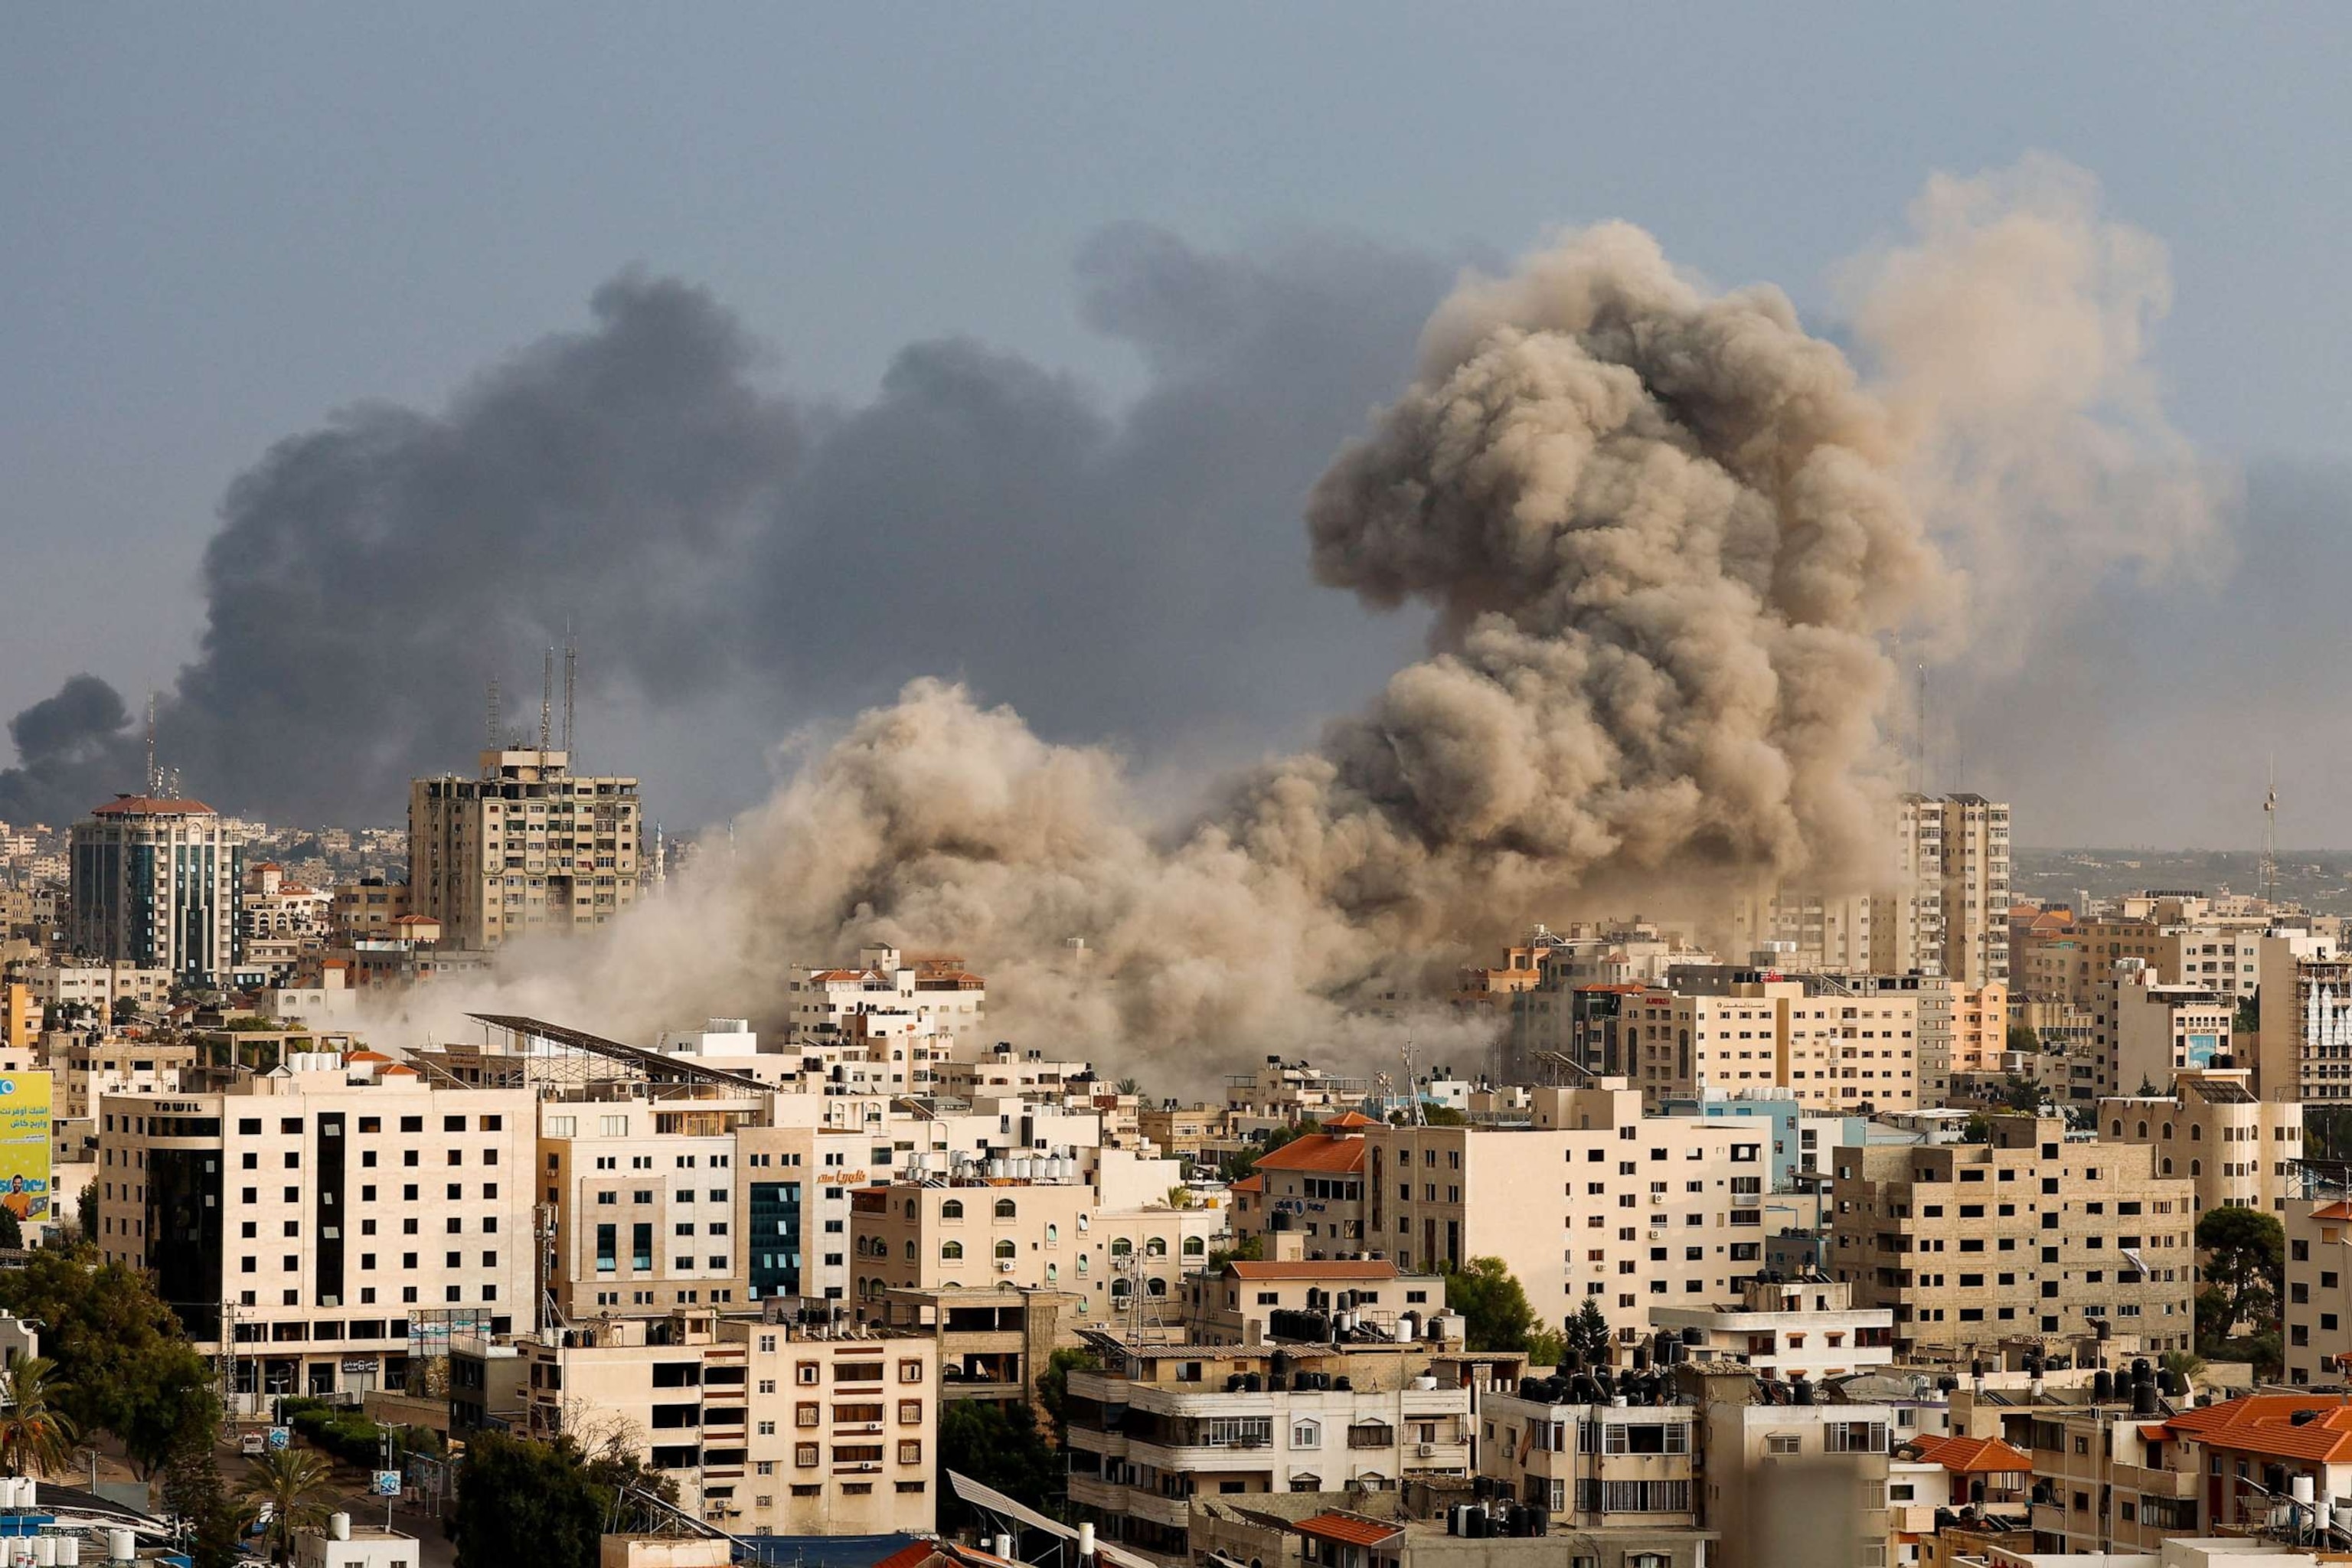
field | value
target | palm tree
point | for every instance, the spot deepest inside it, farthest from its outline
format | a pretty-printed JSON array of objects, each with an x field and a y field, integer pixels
[
  {"x": 290, "y": 1492},
  {"x": 34, "y": 1435}
]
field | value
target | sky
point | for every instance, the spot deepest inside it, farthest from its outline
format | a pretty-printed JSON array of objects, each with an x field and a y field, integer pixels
[{"x": 1136, "y": 272}]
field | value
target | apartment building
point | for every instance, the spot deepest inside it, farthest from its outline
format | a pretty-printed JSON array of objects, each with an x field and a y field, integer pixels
[
  {"x": 2236, "y": 1151},
  {"x": 1597, "y": 1468},
  {"x": 2305, "y": 1002},
  {"x": 1788, "y": 1482},
  {"x": 992, "y": 1343},
  {"x": 329, "y": 1219},
  {"x": 766, "y": 1428},
  {"x": 2026, "y": 1235},
  {"x": 1786, "y": 1329},
  {"x": 1161, "y": 1426},
  {"x": 936, "y": 1000},
  {"x": 2159, "y": 1029},
  {"x": 90, "y": 1065},
  {"x": 281, "y": 918},
  {"x": 1980, "y": 1026},
  {"x": 1952, "y": 867},
  {"x": 369, "y": 906},
  {"x": 1591, "y": 1200},
  {"x": 524, "y": 849},
  {"x": 1821, "y": 1043},
  {"x": 2317, "y": 1317},
  {"x": 156, "y": 884},
  {"x": 1124, "y": 1263}
]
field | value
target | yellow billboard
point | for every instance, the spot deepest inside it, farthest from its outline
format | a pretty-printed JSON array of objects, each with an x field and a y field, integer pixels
[{"x": 25, "y": 1144}]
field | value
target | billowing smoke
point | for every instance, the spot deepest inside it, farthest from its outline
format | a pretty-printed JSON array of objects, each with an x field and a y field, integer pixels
[
  {"x": 1666, "y": 540},
  {"x": 1669, "y": 539}
]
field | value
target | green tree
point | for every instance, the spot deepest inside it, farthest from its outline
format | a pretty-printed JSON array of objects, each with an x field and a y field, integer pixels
[
  {"x": 997, "y": 1446},
  {"x": 86, "y": 1214},
  {"x": 12, "y": 1229},
  {"x": 126, "y": 1009},
  {"x": 1443, "y": 1116},
  {"x": 210, "y": 1531},
  {"x": 522, "y": 1500},
  {"x": 35, "y": 1435},
  {"x": 2248, "y": 1020},
  {"x": 1054, "y": 1387},
  {"x": 290, "y": 1492},
  {"x": 2245, "y": 1266},
  {"x": 2025, "y": 1037},
  {"x": 1248, "y": 1250},
  {"x": 1493, "y": 1305},
  {"x": 128, "y": 1368},
  {"x": 1588, "y": 1334}
]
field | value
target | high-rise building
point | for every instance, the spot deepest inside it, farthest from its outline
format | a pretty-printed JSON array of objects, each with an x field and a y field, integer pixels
[
  {"x": 156, "y": 885},
  {"x": 1949, "y": 914},
  {"x": 526, "y": 848}
]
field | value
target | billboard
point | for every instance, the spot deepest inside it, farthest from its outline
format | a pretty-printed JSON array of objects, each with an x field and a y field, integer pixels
[{"x": 25, "y": 1144}]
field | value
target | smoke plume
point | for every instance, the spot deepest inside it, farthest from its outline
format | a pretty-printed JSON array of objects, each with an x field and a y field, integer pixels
[
  {"x": 1664, "y": 540},
  {"x": 1669, "y": 538}
]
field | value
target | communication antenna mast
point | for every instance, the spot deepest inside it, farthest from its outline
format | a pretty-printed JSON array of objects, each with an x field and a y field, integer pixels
[
  {"x": 491, "y": 728},
  {"x": 546, "y": 701},
  {"x": 154, "y": 777},
  {"x": 2269, "y": 875},
  {"x": 1411, "y": 1084},
  {"x": 1919, "y": 737},
  {"x": 570, "y": 674}
]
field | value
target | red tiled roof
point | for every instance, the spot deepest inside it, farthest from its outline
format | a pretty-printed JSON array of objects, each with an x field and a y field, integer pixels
[
  {"x": 1317, "y": 1268},
  {"x": 1315, "y": 1151},
  {"x": 1252, "y": 1182},
  {"x": 1973, "y": 1456},
  {"x": 2264, "y": 1423},
  {"x": 2339, "y": 1209},
  {"x": 150, "y": 806},
  {"x": 914, "y": 1555},
  {"x": 1348, "y": 1529},
  {"x": 1350, "y": 1118}
]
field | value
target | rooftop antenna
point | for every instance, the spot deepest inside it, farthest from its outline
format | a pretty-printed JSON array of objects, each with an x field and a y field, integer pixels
[
  {"x": 490, "y": 729},
  {"x": 2269, "y": 875},
  {"x": 546, "y": 701},
  {"x": 154, "y": 778},
  {"x": 1919, "y": 737},
  {"x": 570, "y": 674},
  {"x": 1411, "y": 1084}
]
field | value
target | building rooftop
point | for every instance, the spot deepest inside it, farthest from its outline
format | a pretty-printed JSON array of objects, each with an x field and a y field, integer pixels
[
  {"x": 2279, "y": 1426},
  {"x": 1315, "y": 1269},
  {"x": 1973, "y": 1456},
  {"x": 151, "y": 806},
  {"x": 1348, "y": 1529},
  {"x": 1316, "y": 1152}
]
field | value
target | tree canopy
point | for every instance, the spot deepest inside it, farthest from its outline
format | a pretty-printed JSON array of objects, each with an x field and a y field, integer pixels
[
  {"x": 998, "y": 1446},
  {"x": 2244, "y": 1277},
  {"x": 523, "y": 1501},
  {"x": 119, "y": 1350},
  {"x": 1493, "y": 1307}
]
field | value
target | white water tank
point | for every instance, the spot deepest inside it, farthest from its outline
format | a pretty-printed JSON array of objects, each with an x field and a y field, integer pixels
[
  {"x": 339, "y": 1527},
  {"x": 122, "y": 1546},
  {"x": 45, "y": 1550},
  {"x": 69, "y": 1551}
]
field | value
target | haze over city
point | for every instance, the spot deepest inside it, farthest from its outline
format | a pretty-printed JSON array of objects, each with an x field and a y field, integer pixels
[{"x": 1363, "y": 786}]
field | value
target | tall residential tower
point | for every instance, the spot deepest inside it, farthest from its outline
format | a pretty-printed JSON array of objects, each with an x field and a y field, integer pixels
[
  {"x": 524, "y": 849},
  {"x": 156, "y": 884}
]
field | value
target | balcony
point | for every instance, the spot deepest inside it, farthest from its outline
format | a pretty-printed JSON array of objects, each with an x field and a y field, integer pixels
[
  {"x": 1175, "y": 1512},
  {"x": 1202, "y": 1456},
  {"x": 1453, "y": 1456}
]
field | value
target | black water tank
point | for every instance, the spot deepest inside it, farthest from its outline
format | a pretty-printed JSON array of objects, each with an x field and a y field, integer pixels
[
  {"x": 1342, "y": 1385},
  {"x": 1977, "y": 1493},
  {"x": 2101, "y": 1329},
  {"x": 1253, "y": 1383},
  {"x": 1800, "y": 1393},
  {"x": 2143, "y": 1399},
  {"x": 2102, "y": 1387},
  {"x": 1476, "y": 1521},
  {"x": 1538, "y": 1520},
  {"x": 1693, "y": 1337}
]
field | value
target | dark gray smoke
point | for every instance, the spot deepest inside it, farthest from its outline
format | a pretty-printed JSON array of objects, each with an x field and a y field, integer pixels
[{"x": 1127, "y": 570}]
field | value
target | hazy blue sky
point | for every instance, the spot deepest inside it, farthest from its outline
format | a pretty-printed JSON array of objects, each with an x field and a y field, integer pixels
[{"x": 217, "y": 225}]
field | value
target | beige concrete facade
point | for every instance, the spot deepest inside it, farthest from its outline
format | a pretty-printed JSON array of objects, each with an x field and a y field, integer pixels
[
  {"x": 1789, "y": 1328},
  {"x": 524, "y": 849},
  {"x": 1826, "y": 1050},
  {"x": 767, "y": 1429},
  {"x": 1597, "y": 1468},
  {"x": 2028, "y": 1234},
  {"x": 2317, "y": 1317},
  {"x": 329, "y": 1217},
  {"x": 2235, "y": 1149}
]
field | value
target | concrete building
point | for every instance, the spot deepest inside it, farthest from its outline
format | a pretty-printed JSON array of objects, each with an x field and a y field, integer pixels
[
  {"x": 992, "y": 1341},
  {"x": 1952, "y": 867},
  {"x": 2159, "y": 1029},
  {"x": 280, "y": 919},
  {"x": 1816, "y": 1041},
  {"x": 90, "y": 1064},
  {"x": 1123, "y": 1263},
  {"x": 1597, "y": 1468},
  {"x": 1788, "y": 1329},
  {"x": 767, "y": 1429},
  {"x": 368, "y": 907},
  {"x": 2236, "y": 1151},
  {"x": 1591, "y": 1200},
  {"x": 523, "y": 850},
  {"x": 94, "y": 988},
  {"x": 2316, "y": 1316},
  {"x": 328, "y": 1219},
  {"x": 1789, "y": 1482},
  {"x": 2305, "y": 1002},
  {"x": 156, "y": 884},
  {"x": 935, "y": 1003},
  {"x": 1161, "y": 1426},
  {"x": 2027, "y": 1235}
]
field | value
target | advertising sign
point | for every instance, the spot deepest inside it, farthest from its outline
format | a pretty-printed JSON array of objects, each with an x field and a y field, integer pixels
[
  {"x": 25, "y": 1144},
  {"x": 387, "y": 1483}
]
